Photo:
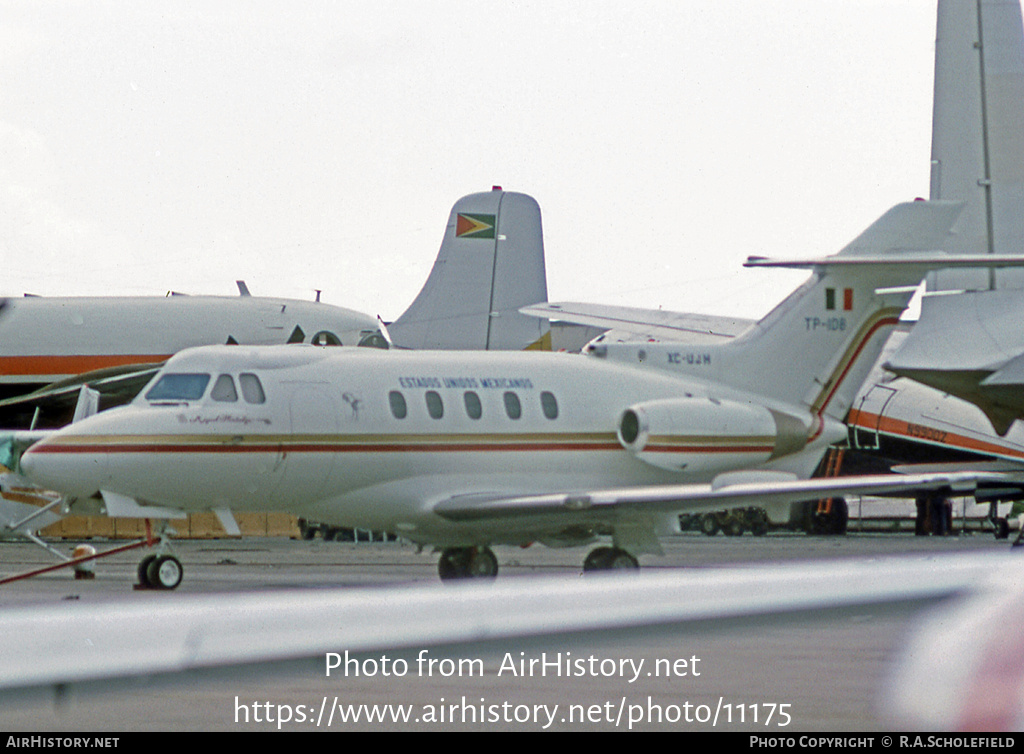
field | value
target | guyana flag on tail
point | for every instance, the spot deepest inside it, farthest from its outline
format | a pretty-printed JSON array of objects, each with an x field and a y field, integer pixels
[{"x": 475, "y": 226}]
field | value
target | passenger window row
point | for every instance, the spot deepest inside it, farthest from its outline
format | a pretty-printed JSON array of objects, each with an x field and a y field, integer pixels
[{"x": 472, "y": 405}]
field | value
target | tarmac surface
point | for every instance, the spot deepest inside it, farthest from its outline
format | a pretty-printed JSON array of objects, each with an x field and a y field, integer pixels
[{"x": 824, "y": 676}]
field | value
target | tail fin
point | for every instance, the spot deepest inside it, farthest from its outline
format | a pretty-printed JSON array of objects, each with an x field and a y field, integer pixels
[
  {"x": 978, "y": 134},
  {"x": 490, "y": 264},
  {"x": 827, "y": 334}
]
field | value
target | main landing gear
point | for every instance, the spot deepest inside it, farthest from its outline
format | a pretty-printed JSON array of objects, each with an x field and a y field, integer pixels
[
  {"x": 480, "y": 563},
  {"x": 608, "y": 559},
  {"x": 1000, "y": 526},
  {"x": 467, "y": 563}
]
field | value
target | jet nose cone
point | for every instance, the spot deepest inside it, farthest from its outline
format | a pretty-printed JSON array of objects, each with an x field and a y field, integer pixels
[
  {"x": 27, "y": 463},
  {"x": 77, "y": 474}
]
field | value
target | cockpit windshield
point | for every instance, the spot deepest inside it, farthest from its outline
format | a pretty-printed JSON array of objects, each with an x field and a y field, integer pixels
[{"x": 179, "y": 387}]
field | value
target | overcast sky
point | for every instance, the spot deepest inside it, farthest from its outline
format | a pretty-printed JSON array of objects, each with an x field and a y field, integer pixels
[{"x": 147, "y": 147}]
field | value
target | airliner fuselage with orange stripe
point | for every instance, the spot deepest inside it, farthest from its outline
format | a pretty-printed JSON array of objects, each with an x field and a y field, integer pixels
[
  {"x": 49, "y": 339},
  {"x": 470, "y": 300},
  {"x": 907, "y": 422}
]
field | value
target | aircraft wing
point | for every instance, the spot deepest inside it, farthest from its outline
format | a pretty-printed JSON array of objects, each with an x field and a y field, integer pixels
[
  {"x": 740, "y": 489},
  {"x": 56, "y": 402},
  {"x": 638, "y": 323},
  {"x": 54, "y": 652},
  {"x": 24, "y": 508}
]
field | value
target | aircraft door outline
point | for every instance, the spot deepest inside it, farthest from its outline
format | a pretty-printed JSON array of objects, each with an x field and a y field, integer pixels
[{"x": 858, "y": 431}]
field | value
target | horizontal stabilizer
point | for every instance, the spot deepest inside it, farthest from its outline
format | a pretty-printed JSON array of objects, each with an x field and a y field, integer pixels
[
  {"x": 831, "y": 330},
  {"x": 982, "y": 328},
  {"x": 925, "y": 261},
  {"x": 911, "y": 233}
]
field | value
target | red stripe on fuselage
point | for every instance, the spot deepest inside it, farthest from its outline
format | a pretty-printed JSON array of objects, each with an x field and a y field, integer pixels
[
  {"x": 60, "y": 366},
  {"x": 462, "y": 447}
]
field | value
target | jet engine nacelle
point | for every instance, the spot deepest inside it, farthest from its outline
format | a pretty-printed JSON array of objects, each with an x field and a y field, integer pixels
[{"x": 708, "y": 434}]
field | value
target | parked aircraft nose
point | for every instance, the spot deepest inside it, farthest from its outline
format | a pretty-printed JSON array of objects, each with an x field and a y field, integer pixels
[{"x": 54, "y": 465}]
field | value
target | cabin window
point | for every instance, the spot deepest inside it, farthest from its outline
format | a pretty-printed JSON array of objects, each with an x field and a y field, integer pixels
[
  {"x": 398, "y": 408},
  {"x": 325, "y": 338},
  {"x": 224, "y": 389},
  {"x": 513, "y": 407},
  {"x": 435, "y": 407},
  {"x": 473, "y": 408},
  {"x": 549, "y": 405},
  {"x": 252, "y": 390},
  {"x": 179, "y": 387}
]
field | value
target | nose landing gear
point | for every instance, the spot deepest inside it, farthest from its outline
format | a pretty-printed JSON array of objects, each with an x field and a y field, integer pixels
[{"x": 160, "y": 572}]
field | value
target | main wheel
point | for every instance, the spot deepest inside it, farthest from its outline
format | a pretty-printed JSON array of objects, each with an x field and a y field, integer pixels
[
  {"x": 164, "y": 572},
  {"x": 467, "y": 563},
  {"x": 1002, "y": 528},
  {"x": 597, "y": 559},
  {"x": 143, "y": 571},
  {"x": 709, "y": 524},
  {"x": 757, "y": 521},
  {"x": 609, "y": 558},
  {"x": 482, "y": 564},
  {"x": 733, "y": 526},
  {"x": 620, "y": 559},
  {"x": 831, "y": 521}
]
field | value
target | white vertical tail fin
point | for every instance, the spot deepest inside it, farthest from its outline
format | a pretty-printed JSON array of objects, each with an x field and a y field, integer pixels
[
  {"x": 817, "y": 346},
  {"x": 978, "y": 134},
  {"x": 491, "y": 264}
]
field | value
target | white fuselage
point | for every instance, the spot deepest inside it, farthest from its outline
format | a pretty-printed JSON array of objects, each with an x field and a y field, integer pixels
[
  {"x": 46, "y": 339},
  {"x": 377, "y": 439},
  {"x": 915, "y": 423}
]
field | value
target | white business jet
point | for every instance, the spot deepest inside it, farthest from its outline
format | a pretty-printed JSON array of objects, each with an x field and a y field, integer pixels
[{"x": 463, "y": 450}]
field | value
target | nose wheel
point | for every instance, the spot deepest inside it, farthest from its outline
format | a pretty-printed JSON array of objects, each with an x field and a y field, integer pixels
[{"x": 160, "y": 572}]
